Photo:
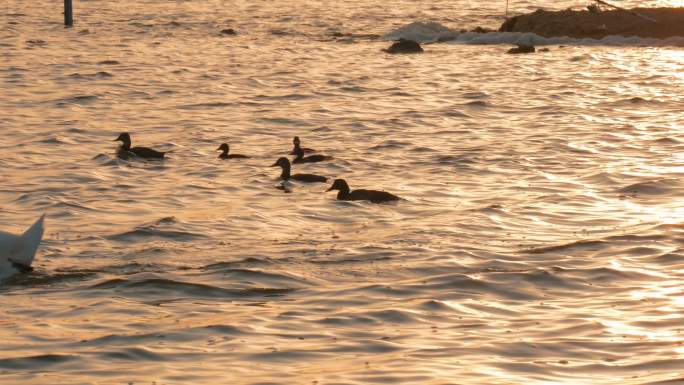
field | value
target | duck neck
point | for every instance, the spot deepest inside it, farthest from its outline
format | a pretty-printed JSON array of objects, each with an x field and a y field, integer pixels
[
  {"x": 299, "y": 153},
  {"x": 343, "y": 192},
  {"x": 224, "y": 154},
  {"x": 285, "y": 175}
]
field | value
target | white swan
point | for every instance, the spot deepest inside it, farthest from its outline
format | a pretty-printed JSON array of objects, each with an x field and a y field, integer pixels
[{"x": 17, "y": 251}]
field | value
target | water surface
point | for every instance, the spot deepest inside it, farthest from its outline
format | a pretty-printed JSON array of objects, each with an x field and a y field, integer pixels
[{"x": 539, "y": 242}]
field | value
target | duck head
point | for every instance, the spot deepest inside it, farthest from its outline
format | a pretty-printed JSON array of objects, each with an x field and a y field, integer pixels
[
  {"x": 124, "y": 138},
  {"x": 296, "y": 141},
  {"x": 223, "y": 147},
  {"x": 339, "y": 184},
  {"x": 282, "y": 162}
]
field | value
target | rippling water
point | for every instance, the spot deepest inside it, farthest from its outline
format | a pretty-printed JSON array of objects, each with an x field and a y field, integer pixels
[{"x": 540, "y": 239}]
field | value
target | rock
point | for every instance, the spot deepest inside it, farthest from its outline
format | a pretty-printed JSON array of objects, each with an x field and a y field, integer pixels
[
  {"x": 659, "y": 23},
  {"x": 522, "y": 48},
  {"x": 404, "y": 46},
  {"x": 228, "y": 31}
]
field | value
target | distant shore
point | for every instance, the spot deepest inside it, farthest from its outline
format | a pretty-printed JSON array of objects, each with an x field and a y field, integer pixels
[{"x": 657, "y": 23}]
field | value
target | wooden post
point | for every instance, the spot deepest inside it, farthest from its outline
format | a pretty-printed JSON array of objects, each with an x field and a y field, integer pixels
[{"x": 68, "y": 13}]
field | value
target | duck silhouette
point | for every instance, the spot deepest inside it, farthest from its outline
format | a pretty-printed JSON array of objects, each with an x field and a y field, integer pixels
[
  {"x": 300, "y": 158},
  {"x": 375, "y": 196},
  {"x": 224, "y": 155},
  {"x": 297, "y": 144},
  {"x": 126, "y": 151},
  {"x": 284, "y": 164}
]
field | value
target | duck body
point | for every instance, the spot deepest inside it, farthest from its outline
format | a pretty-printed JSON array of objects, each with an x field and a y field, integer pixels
[
  {"x": 286, "y": 174},
  {"x": 126, "y": 151},
  {"x": 17, "y": 251},
  {"x": 308, "y": 159},
  {"x": 225, "y": 155},
  {"x": 374, "y": 196},
  {"x": 297, "y": 144}
]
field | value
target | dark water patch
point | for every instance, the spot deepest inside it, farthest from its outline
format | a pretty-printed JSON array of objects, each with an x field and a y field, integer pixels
[
  {"x": 38, "y": 278},
  {"x": 674, "y": 381},
  {"x": 540, "y": 278},
  {"x": 364, "y": 346},
  {"x": 201, "y": 106},
  {"x": 455, "y": 160},
  {"x": 637, "y": 100},
  {"x": 592, "y": 245},
  {"x": 668, "y": 141},
  {"x": 389, "y": 145},
  {"x": 275, "y": 355},
  {"x": 151, "y": 232},
  {"x": 211, "y": 77},
  {"x": 61, "y": 203},
  {"x": 79, "y": 100},
  {"x": 462, "y": 284},
  {"x": 133, "y": 354},
  {"x": 659, "y": 187},
  {"x": 40, "y": 362},
  {"x": 286, "y": 121},
  {"x": 36, "y": 43},
  {"x": 293, "y": 96},
  {"x": 109, "y": 62},
  {"x": 650, "y": 365},
  {"x": 393, "y": 316},
  {"x": 667, "y": 259},
  {"x": 173, "y": 335},
  {"x": 96, "y": 75},
  {"x": 476, "y": 103},
  {"x": 55, "y": 140},
  {"x": 605, "y": 275},
  {"x": 343, "y": 261},
  {"x": 172, "y": 288},
  {"x": 279, "y": 32},
  {"x": 14, "y": 69},
  {"x": 354, "y": 89},
  {"x": 253, "y": 276},
  {"x": 136, "y": 267},
  {"x": 423, "y": 149},
  {"x": 451, "y": 113},
  {"x": 434, "y": 305},
  {"x": 347, "y": 321},
  {"x": 476, "y": 95}
]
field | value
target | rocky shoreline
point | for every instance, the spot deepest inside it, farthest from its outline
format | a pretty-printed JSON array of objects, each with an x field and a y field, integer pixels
[{"x": 659, "y": 23}]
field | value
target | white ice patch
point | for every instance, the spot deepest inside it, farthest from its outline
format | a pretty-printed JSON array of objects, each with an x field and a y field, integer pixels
[{"x": 423, "y": 32}]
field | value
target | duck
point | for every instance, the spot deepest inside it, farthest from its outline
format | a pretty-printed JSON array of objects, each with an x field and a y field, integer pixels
[
  {"x": 125, "y": 151},
  {"x": 284, "y": 163},
  {"x": 17, "y": 251},
  {"x": 297, "y": 144},
  {"x": 300, "y": 158},
  {"x": 375, "y": 196},
  {"x": 224, "y": 155}
]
